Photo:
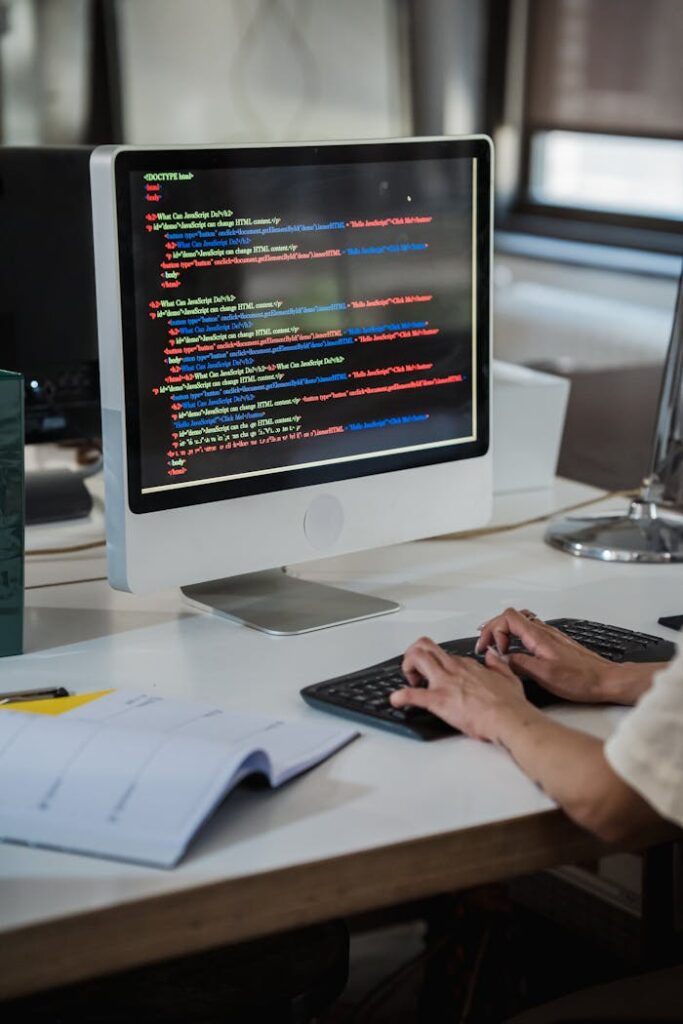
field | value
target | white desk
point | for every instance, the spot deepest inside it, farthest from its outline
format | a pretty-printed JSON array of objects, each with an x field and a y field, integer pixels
[{"x": 386, "y": 820}]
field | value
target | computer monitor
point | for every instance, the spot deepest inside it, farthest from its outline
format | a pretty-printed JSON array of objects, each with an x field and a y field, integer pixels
[
  {"x": 48, "y": 326},
  {"x": 294, "y": 361}
]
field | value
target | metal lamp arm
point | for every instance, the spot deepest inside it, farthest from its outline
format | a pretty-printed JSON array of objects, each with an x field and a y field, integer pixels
[{"x": 665, "y": 480}]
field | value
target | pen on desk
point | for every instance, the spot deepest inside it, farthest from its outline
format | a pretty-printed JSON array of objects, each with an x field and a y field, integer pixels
[{"x": 42, "y": 693}]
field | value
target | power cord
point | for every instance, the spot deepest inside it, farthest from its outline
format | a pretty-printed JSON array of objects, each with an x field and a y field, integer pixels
[
  {"x": 71, "y": 550},
  {"x": 65, "y": 583},
  {"x": 485, "y": 531}
]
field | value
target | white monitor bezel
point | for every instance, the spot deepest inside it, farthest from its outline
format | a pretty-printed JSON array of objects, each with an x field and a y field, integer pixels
[{"x": 149, "y": 551}]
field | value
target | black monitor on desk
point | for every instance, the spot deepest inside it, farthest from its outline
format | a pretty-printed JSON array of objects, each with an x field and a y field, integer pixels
[{"x": 48, "y": 329}]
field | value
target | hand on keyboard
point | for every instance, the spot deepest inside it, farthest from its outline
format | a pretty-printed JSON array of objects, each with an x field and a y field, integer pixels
[
  {"x": 538, "y": 651},
  {"x": 364, "y": 694},
  {"x": 461, "y": 691}
]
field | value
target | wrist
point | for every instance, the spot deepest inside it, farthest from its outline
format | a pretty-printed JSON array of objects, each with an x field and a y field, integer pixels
[
  {"x": 624, "y": 683},
  {"x": 509, "y": 720}
]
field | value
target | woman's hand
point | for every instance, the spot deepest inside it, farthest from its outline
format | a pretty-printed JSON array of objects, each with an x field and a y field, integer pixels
[
  {"x": 469, "y": 696},
  {"x": 561, "y": 665},
  {"x": 487, "y": 702}
]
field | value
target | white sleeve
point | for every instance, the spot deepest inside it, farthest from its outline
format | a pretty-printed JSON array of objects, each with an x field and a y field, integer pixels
[{"x": 646, "y": 749}]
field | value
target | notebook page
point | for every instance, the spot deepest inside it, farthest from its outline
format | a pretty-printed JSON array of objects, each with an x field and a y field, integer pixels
[
  {"x": 120, "y": 793},
  {"x": 133, "y": 776},
  {"x": 291, "y": 747}
]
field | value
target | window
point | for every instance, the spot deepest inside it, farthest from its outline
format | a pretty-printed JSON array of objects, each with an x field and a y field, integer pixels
[
  {"x": 599, "y": 119},
  {"x": 613, "y": 173}
]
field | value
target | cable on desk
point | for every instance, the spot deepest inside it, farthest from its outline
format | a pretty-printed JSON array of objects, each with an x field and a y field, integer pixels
[
  {"x": 65, "y": 583},
  {"x": 487, "y": 531},
  {"x": 71, "y": 550}
]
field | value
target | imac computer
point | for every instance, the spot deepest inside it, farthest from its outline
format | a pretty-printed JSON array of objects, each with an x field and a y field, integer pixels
[{"x": 294, "y": 362}]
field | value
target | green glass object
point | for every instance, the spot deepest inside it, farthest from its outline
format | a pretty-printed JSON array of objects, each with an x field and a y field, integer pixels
[{"x": 11, "y": 513}]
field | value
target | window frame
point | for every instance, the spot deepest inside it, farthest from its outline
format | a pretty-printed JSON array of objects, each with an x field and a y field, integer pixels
[{"x": 508, "y": 78}]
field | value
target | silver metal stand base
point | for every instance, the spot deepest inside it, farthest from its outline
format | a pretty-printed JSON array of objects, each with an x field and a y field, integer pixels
[
  {"x": 283, "y": 605},
  {"x": 646, "y": 533}
]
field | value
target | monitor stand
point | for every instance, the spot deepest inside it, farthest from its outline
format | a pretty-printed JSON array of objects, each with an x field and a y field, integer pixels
[{"x": 283, "y": 605}]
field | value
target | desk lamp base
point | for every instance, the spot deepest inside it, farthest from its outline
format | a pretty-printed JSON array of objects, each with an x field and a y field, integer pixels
[
  {"x": 646, "y": 533},
  {"x": 652, "y": 529}
]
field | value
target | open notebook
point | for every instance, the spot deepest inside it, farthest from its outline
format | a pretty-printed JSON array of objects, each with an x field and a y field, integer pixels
[{"x": 133, "y": 776}]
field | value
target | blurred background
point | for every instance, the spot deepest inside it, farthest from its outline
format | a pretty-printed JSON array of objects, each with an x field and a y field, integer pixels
[
  {"x": 584, "y": 101},
  {"x": 583, "y": 98}
]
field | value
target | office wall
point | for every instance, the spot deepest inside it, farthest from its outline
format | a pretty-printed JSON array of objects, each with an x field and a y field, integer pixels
[
  {"x": 44, "y": 68},
  {"x": 261, "y": 70},
  {"x": 271, "y": 70},
  {"x": 579, "y": 317}
]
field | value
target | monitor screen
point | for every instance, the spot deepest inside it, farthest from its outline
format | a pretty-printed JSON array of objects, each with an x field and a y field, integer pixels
[
  {"x": 300, "y": 314},
  {"x": 48, "y": 329}
]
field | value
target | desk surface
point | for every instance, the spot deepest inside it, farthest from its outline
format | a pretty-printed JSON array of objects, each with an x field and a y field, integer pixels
[{"x": 387, "y": 819}]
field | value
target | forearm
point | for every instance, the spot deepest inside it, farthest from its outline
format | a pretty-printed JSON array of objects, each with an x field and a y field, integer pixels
[{"x": 571, "y": 768}]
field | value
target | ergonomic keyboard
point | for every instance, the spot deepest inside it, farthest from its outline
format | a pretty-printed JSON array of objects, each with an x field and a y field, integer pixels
[{"x": 364, "y": 695}]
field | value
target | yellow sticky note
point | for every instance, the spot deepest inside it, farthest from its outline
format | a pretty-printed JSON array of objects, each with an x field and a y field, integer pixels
[{"x": 55, "y": 705}]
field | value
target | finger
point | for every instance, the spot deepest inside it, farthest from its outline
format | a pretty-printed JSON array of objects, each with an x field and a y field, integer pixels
[
  {"x": 413, "y": 676},
  {"x": 427, "y": 647},
  {"x": 421, "y": 663},
  {"x": 537, "y": 668},
  {"x": 408, "y": 697},
  {"x": 501, "y": 637},
  {"x": 494, "y": 634},
  {"x": 511, "y": 623}
]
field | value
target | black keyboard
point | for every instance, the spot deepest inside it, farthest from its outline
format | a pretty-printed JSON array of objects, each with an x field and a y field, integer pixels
[{"x": 364, "y": 695}]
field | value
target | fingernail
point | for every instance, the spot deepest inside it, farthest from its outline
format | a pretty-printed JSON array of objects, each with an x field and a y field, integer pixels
[{"x": 501, "y": 657}]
